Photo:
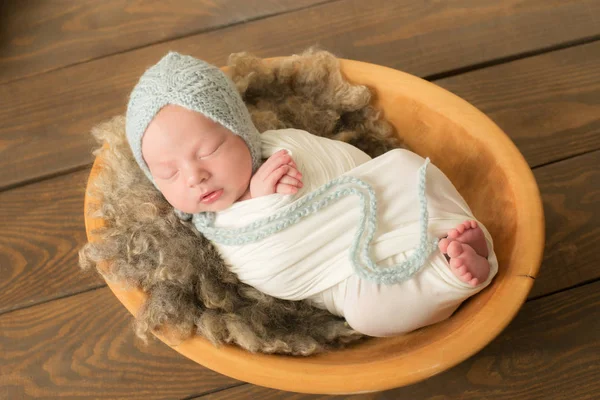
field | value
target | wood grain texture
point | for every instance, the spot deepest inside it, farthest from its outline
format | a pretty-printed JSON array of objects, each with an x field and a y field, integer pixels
[
  {"x": 571, "y": 194},
  {"x": 42, "y": 231},
  {"x": 550, "y": 351},
  {"x": 83, "y": 347},
  {"x": 248, "y": 391},
  {"x": 56, "y": 110},
  {"x": 38, "y": 36},
  {"x": 549, "y": 105}
]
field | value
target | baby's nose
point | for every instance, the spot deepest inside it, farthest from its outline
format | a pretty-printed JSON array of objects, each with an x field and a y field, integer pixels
[{"x": 197, "y": 177}]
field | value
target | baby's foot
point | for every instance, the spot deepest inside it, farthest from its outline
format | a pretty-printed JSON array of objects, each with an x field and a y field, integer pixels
[
  {"x": 467, "y": 233},
  {"x": 466, "y": 264}
]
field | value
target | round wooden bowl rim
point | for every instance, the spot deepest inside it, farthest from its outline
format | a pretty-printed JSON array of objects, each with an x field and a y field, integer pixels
[{"x": 347, "y": 373}]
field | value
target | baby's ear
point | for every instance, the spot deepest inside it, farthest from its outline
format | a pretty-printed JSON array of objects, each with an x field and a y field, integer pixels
[{"x": 182, "y": 215}]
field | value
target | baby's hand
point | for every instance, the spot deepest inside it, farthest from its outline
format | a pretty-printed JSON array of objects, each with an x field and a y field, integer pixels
[{"x": 279, "y": 174}]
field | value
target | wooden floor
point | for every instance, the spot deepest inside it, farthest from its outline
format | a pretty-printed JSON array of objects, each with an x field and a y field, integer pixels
[{"x": 533, "y": 66}]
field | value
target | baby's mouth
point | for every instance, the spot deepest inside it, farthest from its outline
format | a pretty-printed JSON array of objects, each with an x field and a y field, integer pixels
[{"x": 211, "y": 197}]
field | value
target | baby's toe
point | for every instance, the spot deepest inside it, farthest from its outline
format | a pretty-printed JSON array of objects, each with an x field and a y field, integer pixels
[
  {"x": 467, "y": 277},
  {"x": 474, "y": 282},
  {"x": 455, "y": 249},
  {"x": 443, "y": 245},
  {"x": 453, "y": 234},
  {"x": 456, "y": 263},
  {"x": 473, "y": 224}
]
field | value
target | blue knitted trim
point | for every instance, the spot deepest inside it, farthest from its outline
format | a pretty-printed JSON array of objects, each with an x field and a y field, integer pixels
[{"x": 307, "y": 205}]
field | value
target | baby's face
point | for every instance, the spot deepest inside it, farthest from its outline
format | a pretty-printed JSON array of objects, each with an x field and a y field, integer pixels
[{"x": 197, "y": 164}]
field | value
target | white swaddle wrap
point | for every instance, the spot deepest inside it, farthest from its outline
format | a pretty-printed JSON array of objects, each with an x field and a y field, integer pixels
[{"x": 310, "y": 259}]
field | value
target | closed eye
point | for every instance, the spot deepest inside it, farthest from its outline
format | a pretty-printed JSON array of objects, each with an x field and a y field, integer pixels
[
  {"x": 169, "y": 176},
  {"x": 212, "y": 152}
]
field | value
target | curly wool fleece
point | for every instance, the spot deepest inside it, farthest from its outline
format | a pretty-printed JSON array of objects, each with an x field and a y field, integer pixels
[{"x": 189, "y": 288}]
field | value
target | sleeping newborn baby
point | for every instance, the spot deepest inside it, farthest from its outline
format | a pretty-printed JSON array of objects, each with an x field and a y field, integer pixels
[{"x": 301, "y": 217}]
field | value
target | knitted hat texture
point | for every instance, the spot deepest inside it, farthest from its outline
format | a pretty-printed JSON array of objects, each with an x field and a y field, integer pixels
[{"x": 193, "y": 84}]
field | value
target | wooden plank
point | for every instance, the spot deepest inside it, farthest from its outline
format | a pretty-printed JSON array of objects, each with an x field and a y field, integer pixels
[
  {"x": 549, "y": 105},
  {"x": 83, "y": 347},
  {"x": 550, "y": 351},
  {"x": 42, "y": 231},
  {"x": 39, "y": 36},
  {"x": 248, "y": 391},
  {"x": 571, "y": 194},
  {"x": 43, "y": 128}
]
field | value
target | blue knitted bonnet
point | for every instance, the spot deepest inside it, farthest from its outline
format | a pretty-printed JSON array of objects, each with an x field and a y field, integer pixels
[{"x": 193, "y": 84}]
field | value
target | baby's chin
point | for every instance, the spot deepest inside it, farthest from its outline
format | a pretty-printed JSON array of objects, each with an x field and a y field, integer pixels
[
  {"x": 214, "y": 208},
  {"x": 219, "y": 205},
  {"x": 197, "y": 210}
]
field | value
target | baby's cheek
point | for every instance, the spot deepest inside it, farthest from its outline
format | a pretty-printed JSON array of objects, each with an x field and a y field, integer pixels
[
  {"x": 174, "y": 197},
  {"x": 188, "y": 202}
]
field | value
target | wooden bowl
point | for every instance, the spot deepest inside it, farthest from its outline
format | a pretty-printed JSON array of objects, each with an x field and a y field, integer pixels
[{"x": 496, "y": 182}]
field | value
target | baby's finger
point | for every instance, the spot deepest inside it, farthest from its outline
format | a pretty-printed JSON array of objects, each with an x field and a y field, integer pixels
[
  {"x": 272, "y": 180},
  {"x": 275, "y": 161},
  {"x": 285, "y": 189},
  {"x": 288, "y": 180},
  {"x": 294, "y": 173}
]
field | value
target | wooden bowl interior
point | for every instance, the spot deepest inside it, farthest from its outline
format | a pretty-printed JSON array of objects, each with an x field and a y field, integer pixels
[{"x": 496, "y": 182}]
